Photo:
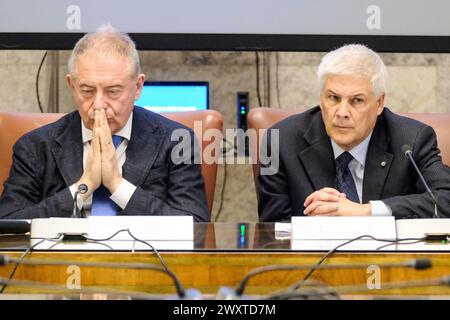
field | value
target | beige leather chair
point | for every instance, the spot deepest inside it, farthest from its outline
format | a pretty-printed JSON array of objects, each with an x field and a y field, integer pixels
[
  {"x": 210, "y": 120},
  {"x": 264, "y": 118},
  {"x": 14, "y": 124}
]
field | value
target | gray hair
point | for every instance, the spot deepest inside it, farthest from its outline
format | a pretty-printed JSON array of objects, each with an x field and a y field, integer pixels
[
  {"x": 106, "y": 40},
  {"x": 357, "y": 60}
]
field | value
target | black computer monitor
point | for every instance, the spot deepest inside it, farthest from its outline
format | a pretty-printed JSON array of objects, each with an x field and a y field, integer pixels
[{"x": 174, "y": 96}]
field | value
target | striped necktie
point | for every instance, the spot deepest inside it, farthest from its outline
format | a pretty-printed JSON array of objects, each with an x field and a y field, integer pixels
[{"x": 344, "y": 178}]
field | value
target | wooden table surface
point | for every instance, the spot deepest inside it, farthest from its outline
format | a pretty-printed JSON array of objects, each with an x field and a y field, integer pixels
[{"x": 221, "y": 259}]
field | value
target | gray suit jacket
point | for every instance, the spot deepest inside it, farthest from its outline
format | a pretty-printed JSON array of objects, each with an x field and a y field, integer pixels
[
  {"x": 48, "y": 160},
  {"x": 307, "y": 164}
]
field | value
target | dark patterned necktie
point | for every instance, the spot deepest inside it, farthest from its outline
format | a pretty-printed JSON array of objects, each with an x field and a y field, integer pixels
[
  {"x": 344, "y": 179},
  {"x": 102, "y": 205}
]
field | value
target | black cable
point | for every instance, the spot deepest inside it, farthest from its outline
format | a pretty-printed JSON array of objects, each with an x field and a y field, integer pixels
[
  {"x": 13, "y": 272},
  {"x": 297, "y": 285},
  {"x": 163, "y": 263},
  {"x": 108, "y": 238},
  {"x": 240, "y": 289},
  {"x": 391, "y": 244},
  {"x": 113, "y": 265},
  {"x": 266, "y": 77},
  {"x": 59, "y": 288},
  {"x": 37, "y": 82},
  {"x": 224, "y": 180},
  {"x": 179, "y": 287},
  {"x": 443, "y": 281},
  {"x": 103, "y": 244},
  {"x": 222, "y": 192},
  {"x": 316, "y": 286},
  {"x": 55, "y": 244},
  {"x": 277, "y": 86},
  {"x": 315, "y": 290},
  {"x": 59, "y": 240},
  {"x": 258, "y": 93},
  {"x": 93, "y": 264},
  {"x": 418, "y": 264}
]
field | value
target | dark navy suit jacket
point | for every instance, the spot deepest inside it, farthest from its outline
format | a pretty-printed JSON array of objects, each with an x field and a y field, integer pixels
[
  {"x": 48, "y": 160},
  {"x": 307, "y": 164}
]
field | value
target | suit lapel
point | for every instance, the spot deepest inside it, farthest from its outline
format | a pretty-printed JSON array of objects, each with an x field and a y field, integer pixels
[
  {"x": 318, "y": 158},
  {"x": 68, "y": 150},
  {"x": 378, "y": 162},
  {"x": 145, "y": 143}
]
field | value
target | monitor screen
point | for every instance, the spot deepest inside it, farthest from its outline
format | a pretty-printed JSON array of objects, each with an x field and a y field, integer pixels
[
  {"x": 174, "y": 96},
  {"x": 268, "y": 25}
]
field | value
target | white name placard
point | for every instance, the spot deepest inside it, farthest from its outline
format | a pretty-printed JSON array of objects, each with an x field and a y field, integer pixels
[
  {"x": 162, "y": 232},
  {"x": 326, "y": 233}
]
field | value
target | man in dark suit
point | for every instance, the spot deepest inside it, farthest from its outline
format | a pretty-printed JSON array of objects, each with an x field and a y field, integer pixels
[
  {"x": 121, "y": 153},
  {"x": 345, "y": 157}
]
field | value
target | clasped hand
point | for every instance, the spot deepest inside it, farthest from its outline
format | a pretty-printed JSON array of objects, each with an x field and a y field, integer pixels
[
  {"x": 331, "y": 202},
  {"x": 101, "y": 163}
]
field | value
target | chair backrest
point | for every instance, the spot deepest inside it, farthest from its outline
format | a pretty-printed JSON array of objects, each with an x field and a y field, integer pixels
[
  {"x": 15, "y": 124},
  {"x": 264, "y": 118},
  {"x": 261, "y": 119},
  {"x": 210, "y": 119}
]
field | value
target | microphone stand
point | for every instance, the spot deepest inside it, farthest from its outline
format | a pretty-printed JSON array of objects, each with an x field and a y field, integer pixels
[
  {"x": 82, "y": 189},
  {"x": 408, "y": 153}
]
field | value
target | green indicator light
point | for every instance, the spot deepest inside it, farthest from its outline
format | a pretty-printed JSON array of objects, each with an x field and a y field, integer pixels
[
  {"x": 242, "y": 112},
  {"x": 242, "y": 229}
]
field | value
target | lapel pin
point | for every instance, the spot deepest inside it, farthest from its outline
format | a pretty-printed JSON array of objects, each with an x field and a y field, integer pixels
[{"x": 383, "y": 164}]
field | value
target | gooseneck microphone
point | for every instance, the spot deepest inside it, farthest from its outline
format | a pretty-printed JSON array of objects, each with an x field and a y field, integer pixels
[
  {"x": 416, "y": 264},
  {"x": 82, "y": 189},
  {"x": 4, "y": 260},
  {"x": 407, "y": 150}
]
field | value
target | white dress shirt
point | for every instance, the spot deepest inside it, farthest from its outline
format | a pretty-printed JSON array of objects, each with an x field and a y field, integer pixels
[
  {"x": 125, "y": 190},
  {"x": 356, "y": 167}
]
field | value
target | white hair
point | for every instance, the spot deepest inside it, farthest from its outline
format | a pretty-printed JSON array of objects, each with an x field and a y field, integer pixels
[
  {"x": 357, "y": 60},
  {"x": 106, "y": 40}
]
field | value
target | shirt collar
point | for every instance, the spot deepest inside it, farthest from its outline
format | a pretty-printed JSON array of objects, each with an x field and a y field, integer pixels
[
  {"x": 358, "y": 152},
  {"x": 125, "y": 132}
]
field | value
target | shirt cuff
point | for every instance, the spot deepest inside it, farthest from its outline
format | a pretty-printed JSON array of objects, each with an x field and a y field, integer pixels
[
  {"x": 123, "y": 193},
  {"x": 380, "y": 209}
]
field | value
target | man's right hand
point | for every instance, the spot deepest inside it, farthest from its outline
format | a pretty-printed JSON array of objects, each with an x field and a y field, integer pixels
[
  {"x": 92, "y": 175},
  {"x": 331, "y": 202}
]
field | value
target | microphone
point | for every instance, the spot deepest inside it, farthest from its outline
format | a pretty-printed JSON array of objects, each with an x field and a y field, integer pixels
[
  {"x": 46, "y": 287},
  {"x": 407, "y": 150},
  {"x": 415, "y": 264},
  {"x": 421, "y": 264},
  {"x": 314, "y": 293},
  {"x": 4, "y": 260},
  {"x": 82, "y": 189},
  {"x": 189, "y": 294},
  {"x": 227, "y": 293},
  {"x": 181, "y": 294}
]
